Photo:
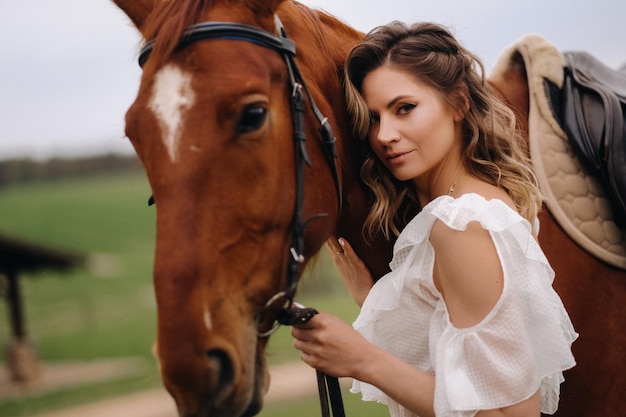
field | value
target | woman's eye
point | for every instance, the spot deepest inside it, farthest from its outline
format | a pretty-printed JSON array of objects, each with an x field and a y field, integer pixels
[
  {"x": 252, "y": 118},
  {"x": 405, "y": 108},
  {"x": 374, "y": 118}
]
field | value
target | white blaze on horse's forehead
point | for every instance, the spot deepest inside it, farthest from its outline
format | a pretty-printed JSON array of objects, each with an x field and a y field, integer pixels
[
  {"x": 207, "y": 318},
  {"x": 172, "y": 97}
]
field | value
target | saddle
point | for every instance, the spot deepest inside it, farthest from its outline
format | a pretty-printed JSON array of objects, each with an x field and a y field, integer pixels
[{"x": 591, "y": 108}]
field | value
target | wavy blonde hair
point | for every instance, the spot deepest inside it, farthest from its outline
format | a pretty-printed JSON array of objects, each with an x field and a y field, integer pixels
[{"x": 494, "y": 148}]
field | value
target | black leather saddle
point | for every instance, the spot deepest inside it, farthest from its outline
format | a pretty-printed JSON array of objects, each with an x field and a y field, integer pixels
[{"x": 591, "y": 109}]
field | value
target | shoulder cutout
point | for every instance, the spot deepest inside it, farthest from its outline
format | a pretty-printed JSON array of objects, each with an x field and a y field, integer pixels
[{"x": 467, "y": 271}]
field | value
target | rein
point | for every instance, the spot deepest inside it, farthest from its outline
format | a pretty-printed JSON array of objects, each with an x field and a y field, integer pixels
[{"x": 290, "y": 312}]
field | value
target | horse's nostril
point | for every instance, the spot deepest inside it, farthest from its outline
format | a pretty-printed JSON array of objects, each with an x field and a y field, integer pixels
[{"x": 222, "y": 366}]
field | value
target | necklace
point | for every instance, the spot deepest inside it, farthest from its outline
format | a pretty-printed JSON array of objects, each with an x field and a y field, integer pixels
[{"x": 453, "y": 186}]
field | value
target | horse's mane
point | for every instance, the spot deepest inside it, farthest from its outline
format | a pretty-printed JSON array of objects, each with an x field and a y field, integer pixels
[
  {"x": 167, "y": 24},
  {"x": 315, "y": 20}
]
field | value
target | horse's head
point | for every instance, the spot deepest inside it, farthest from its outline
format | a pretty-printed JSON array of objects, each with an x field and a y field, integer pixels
[{"x": 213, "y": 126}]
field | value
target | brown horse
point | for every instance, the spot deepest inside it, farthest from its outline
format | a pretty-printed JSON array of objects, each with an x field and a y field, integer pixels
[{"x": 212, "y": 124}]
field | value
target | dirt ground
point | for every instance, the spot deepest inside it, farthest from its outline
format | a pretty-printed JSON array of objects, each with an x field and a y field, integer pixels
[
  {"x": 60, "y": 375},
  {"x": 289, "y": 381}
]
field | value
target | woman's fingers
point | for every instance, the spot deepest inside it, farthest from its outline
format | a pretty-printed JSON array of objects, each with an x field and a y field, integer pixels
[
  {"x": 334, "y": 246},
  {"x": 353, "y": 271}
]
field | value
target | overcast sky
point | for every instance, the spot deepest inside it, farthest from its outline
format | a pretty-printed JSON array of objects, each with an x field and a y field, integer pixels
[{"x": 68, "y": 68}]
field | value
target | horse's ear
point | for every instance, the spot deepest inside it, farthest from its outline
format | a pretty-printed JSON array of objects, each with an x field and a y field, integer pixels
[
  {"x": 136, "y": 10},
  {"x": 265, "y": 6}
]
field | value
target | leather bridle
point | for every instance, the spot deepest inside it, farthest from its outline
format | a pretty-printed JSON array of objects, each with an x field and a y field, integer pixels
[{"x": 290, "y": 313}]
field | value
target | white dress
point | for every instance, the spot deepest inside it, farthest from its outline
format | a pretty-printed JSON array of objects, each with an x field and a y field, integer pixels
[{"x": 523, "y": 344}]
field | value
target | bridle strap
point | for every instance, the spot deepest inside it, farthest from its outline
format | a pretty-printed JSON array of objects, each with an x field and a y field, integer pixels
[
  {"x": 300, "y": 94},
  {"x": 328, "y": 386},
  {"x": 325, "y": 129},
  {"x": 287, "y": 49},
  {"x": 330, "y": 395},
  {"x": 224, "y": 30},
  {"x": 331, "y": 402}
]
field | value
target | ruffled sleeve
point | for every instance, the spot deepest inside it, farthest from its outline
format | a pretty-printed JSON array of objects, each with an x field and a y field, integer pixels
[{"x": 521, "y": 346}]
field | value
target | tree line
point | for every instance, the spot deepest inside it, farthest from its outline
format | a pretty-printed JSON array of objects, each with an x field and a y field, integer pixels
[{"x": 25, "y": 170}]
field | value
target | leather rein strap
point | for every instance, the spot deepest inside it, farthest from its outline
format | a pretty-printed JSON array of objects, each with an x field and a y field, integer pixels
[{"x": 290, "y": 313}]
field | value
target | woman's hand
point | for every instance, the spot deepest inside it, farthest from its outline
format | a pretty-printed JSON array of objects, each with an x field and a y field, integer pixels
[
  {"x": 331, "y": 345},
  {"x": 355, "y": 275}
]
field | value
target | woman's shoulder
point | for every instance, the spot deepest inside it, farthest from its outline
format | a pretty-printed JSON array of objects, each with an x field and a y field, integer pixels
[
  {"x": 488, "y": 210},
  {"x": 485, "y": 190}
]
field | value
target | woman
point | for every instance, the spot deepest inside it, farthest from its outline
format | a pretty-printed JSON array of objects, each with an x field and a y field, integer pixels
[{"x": 466, "y": 323}]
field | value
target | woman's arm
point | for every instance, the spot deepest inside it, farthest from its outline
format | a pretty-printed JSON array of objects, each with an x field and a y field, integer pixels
[{"x": 469, "y": 275}]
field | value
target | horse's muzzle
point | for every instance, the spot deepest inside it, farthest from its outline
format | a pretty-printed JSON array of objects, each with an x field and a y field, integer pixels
[{"x": 224, "y": 393}]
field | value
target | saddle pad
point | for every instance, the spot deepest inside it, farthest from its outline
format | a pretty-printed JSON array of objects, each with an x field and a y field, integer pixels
[{"x": 576, "y": 199}]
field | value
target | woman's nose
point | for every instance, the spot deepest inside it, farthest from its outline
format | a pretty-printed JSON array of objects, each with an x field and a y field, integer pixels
[{"x": 385, "y": 132}]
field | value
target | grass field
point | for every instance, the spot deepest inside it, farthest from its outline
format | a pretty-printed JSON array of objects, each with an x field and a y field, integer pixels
[{"x": 107, "y": 309}]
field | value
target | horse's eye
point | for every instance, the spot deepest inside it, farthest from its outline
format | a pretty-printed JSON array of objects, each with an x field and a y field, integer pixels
[{"x": 252, "y": 118}]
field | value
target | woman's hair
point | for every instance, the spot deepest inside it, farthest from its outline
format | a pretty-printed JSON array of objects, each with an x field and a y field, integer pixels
[{"x": 494, "y": 148}]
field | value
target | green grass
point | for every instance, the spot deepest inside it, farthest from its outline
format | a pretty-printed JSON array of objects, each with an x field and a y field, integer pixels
[
  {"x": 107, "y": 310},
  {"x": 95, "y": 310}
]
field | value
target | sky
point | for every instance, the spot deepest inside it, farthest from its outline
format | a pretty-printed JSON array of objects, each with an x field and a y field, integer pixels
[{"x": 68, "y": 68}]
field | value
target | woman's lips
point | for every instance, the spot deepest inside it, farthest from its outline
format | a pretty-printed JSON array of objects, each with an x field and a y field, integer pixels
[{"x": 397, "y": 157}]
